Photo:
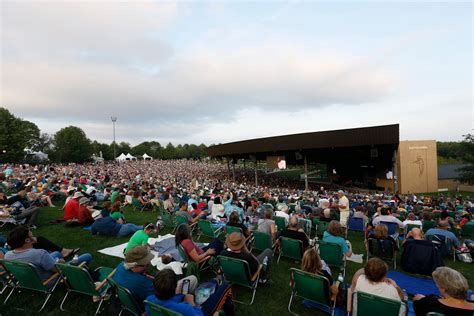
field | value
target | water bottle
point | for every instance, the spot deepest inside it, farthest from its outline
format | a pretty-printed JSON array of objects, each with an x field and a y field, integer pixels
[
  {"x": 405, "y": 295},
  {"x": 265, "y": 263},
  {"x": 75, "y": 259}
]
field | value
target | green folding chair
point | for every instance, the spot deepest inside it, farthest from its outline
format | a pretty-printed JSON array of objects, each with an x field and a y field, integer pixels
[
  {"x": 192, "y": 267},
  {"x": 409, "y": 227},
  {"x": 468, "y": 230},
  {"x": 262, "y": 241},
  {"x": 25, "y": 276},
  {"x": 157, "y": 310},
  {"x": 382, "y": 249},
  {"x": 237, "y": 271},
  {"x": 290, "y": 248},
  {"x": 181, "y": 219},
  {"x": 5, "y": 280},
  {"x": 428, "y": 225},
  {"x": 332, "y": 254},
  {"x": 126, "y": 298},
  {"x": 248, "y": 240},
  {"x": 311, "y": 287},
  {"x": 268, "y": 206},
  {"x": 321, "y": 228},
  {"x": 280, "y": 222},
  {"x": 78, "y": 280},
  {"x": 364, "y": 304},
  {"x": 205, "y": 228},
  {"x": 168, "y": 220}
]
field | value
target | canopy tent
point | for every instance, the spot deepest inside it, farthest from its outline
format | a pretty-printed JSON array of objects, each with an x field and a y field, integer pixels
[
  {"x": 129, "y": 157},
  {"x": 146, "y": 157},
  {"x": 122, "y": 157}
]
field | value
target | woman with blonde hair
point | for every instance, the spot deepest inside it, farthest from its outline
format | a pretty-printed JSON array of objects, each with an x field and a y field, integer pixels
[
  {"x": 453, "y": 287},
  {"x": 381, "y": 233},
  {"x": 313, "y": 263}
]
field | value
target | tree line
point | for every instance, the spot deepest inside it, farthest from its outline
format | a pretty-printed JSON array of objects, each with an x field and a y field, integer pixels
[{"x": 70, "y": 144}]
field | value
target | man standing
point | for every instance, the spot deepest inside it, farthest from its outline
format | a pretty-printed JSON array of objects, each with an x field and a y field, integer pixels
[{"x": 343, "y": 206}]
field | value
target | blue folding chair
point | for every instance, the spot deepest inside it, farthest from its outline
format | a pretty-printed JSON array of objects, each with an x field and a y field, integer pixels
[{"x": 356, "y": 224}]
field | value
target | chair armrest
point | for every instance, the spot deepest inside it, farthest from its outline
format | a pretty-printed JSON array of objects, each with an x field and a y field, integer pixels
[
  {"x": 192, "y": 225},
  {"x": 254, "y": 277},
  {"x": 101, "y": 284},
  {"x": 349, "y": 300},
  {"x": 204, "y": 259},
  {"x": 333, "y": 296},
  {"x": 51, "y": 278}
]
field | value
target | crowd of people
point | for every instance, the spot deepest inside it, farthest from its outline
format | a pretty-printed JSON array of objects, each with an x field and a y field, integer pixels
[{"x": 93, "y": 196}]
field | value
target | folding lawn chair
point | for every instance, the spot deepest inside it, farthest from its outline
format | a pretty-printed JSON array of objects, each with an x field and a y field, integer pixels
[
  {"x": 444, "y": 244},
  {"x": 168, "y": 220},
  {"x": 262, "y": 241},
  {"x": 280, "y": 222},
  {"x": 127, "y": 300},
  {"x": 355, "y": 223},
  {"x": 332, "y": 254},
  {"x": 383, "y": 249},
  {"x": 25, "y": 276},
  {"x": 206, "y": 229},
  {"x": 428, "y": 225},
  {"x": 290, "y": 248},
  {"x": 78, "y": 280},
  {"x": 311, "y": 287},
  {"x": 193, "y": 267},
  {"x": 180, "y": 219},
  {"x": 321, "y": 228},
  {"x": 468, "y": 230},
  {"x": 409, "y": 227},
  {"x": 365, "y": 304},
  {"x": 157, "y": 310},
  {"x": 237, "y": 271}
]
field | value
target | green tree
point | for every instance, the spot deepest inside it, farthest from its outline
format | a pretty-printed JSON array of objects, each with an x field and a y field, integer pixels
[
  {"x": 169, "y": 152},
  {"x": 467, "y": 172},
  {"x": 106, "y": 150},
  {"x": 15, "y": 136},
  {"x": 71, "y": 145}
]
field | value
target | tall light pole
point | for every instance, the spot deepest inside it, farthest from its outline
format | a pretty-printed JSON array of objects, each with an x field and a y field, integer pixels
[{"x": 114, "y": 119}]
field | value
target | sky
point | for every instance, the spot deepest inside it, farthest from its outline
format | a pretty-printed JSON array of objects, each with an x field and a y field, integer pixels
[{"x": 220, "y": 71}]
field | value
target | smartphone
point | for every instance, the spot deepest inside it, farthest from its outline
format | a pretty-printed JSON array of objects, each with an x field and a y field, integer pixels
[{"x": 185, "y": 288}]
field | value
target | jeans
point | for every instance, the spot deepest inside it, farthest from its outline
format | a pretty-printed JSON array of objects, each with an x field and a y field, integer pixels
[
  {"x": 87, "y": 258},
  {"x": 221, "y": 299},
  {"x": 128, "y": 229},
  {"x": 30, "y": 214},
  {"x": 215, "y": 244}
]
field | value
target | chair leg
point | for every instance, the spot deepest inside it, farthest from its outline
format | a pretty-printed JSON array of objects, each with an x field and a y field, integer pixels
[
  {"x": 279, "y": 255},
  {"x": 9, "y": 294},
  {"x": 289, "y": 303},
  {"x": 45, "y": 301},
  {"x": 61, "y": 307},
  {"x": 100, "y": 304}
]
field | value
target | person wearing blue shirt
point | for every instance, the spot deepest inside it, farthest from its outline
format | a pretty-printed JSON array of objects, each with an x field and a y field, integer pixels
[
  {"x": 131, "y": 274},
  {"x": 165, "y": 295},
  {"x": 442, "y": 230},
  {"x": 108, "y": 226},
  {"x": 333, "y": 235}
]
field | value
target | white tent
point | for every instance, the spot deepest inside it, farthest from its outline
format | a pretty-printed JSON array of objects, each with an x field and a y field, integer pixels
[
  {"x": 146, "y": 157},
  {"x": 129, "y": 157},
  {"x": 122, "y": 157}
]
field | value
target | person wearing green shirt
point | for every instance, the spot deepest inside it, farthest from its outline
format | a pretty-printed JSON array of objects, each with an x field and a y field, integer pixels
[
  {"x": 140, "y": 238},
  {"x": 115, "y": 195}
]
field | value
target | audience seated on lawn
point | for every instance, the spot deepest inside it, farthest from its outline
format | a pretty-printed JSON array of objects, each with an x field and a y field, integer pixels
[
  {"x": 167, "y": 293},
  {"x": 313, "y": 263},
  {"x": 442, "y": 230},
  {"x": 372, "y": 279},
  {"x": 453, "y": 287},
  {"x": 334, "y": 235},
  {"x": 21, "y": 241},
  {"x": 419, "y": 255},
  {"x": 140, "y": 237},
  {"x": 183, "y": 211},
  {"x": 133, "y": 274},
  {"x": 71, "y": 209},
  {"x": 236, "y": 248},
  {"x": 108, "y": 226},
  {"x": 84, "y": 215},
  {"x": 381, "y": 233},
  {"x": 194, "y": 252},
  {"x": 294, "y": 233},
  {"x": 234, "y": 222},
  {"x": 386, "y": 216},
  {"x": 267, "y": 224}
]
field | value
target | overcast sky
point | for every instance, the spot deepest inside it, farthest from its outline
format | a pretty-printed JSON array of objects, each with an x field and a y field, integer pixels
[{"x": 214, "y": 72}]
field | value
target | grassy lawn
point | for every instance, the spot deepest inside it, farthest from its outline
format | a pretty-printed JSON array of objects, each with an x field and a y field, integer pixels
[{"x": 270, "y": 300}]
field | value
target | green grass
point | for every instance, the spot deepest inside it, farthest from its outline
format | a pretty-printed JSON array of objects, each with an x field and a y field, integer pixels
[{"x": 270, "y": 300}]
